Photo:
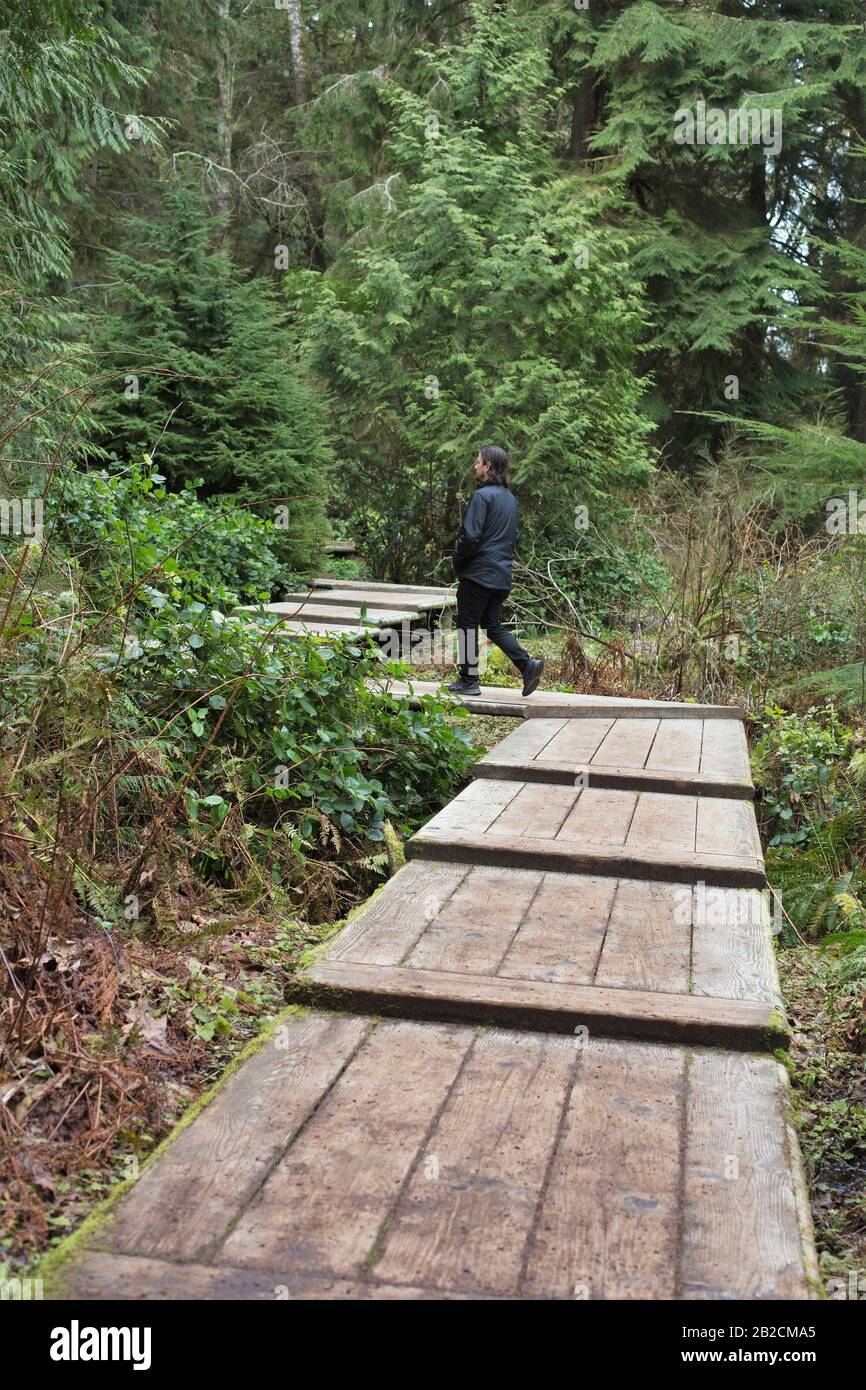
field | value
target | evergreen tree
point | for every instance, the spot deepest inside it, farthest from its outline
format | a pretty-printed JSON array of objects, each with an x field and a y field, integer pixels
[
  {"x": 727, "y": 232},
  {"x": 60, "y": 78},
  {"x": 201, "y": 377}
]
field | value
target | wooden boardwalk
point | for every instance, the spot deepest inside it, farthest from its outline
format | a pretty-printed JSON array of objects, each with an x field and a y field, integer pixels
[
  {"x": 337, "y": 607},
  {"x": 537, "y": 1064}
]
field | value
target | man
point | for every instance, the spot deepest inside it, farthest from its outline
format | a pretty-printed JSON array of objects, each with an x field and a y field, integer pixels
[{"x": 482, "y": 564}]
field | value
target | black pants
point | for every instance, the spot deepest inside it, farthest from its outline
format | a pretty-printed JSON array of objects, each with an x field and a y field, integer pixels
[{"x": 480, "y": 607}]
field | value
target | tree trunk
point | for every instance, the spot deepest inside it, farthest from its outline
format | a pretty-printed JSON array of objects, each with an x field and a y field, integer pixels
[
  {"x": 296, "y": 43},
  {"x": 583, "y": 113},
  {"x": 225, "y": 74}
]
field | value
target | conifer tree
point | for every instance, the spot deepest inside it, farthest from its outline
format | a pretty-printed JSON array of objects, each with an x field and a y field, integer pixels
[{"x": 201, "y": 376}]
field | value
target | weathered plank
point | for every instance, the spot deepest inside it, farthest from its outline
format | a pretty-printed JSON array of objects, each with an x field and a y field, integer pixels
[
  {"x": 448, "y": 1163},
  {"x": 430, "y": 591},
  {"x": 474, "y": 930},
  {"x": 529, "y": 825},
  {"x": 535, "y": 1004},
  {"x": 647, "y": 945},
  {"x": 353, "y": 598},
  {"x": 105, "y": 1277},
  {"x": 564, "y": 928},
  {"x": 548, "y": 704},
  {"x": 561, "y": 936},
  {"x": 609, "y": 1224},
  {"x": 648, "y": 754},
  {"x": 465, "y": 1217},
  {"x": 741, "y": 1235},
  {"x": 577, "y": 856},
  {"x": 325, "y": 1202},
  {"x": 677, "y": 746},
  {"x": 182, "y": 1205},
  {"x": 597, "y": 775},
  {"x": 384, "y": 931},
  {"x": 732, "y": 950},
  {"x": 333, "y": 614}
]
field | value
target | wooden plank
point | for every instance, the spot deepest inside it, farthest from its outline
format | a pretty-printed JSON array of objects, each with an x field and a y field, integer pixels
[
  {"x": 664, "y": 820},
  {"x": 323, "y": 1206},
  {"x": 647, "y": 945},
  {"x": 551, "y": 704},
  {"x": 576, "y": 740},
  {"x": 511, "y": 1003},
  {"x": 182, "y": 1205},
  {"x": 535, "y": 812},
  {"x": 106, "y": 1277},
  {"x": 478, "y": 805},
  {"x": 662, "y": 755},
  {"x": 600, "y": 817},
  {"x": 465, "y": 1217},
  {"x": 561, "y": 935},
  {"x": 725, "y": 749},
  {"x": 677, "y": 746},
  {"x": 732, "y": 949},
  {"x": 726, "y": 827},
  {"x": 564, "y": 929},
  {"x": 387, "y": 928},
  {"x": 584, "y": 855},
  {"x": 528, "y": 741},
  {"x": 422, "y": 590},
  {"x": 333, "y": 614},
  {"x": 474, "y": 930},
  {"x": 627, "y": 743},
  {"x": 609, "y": 1224},
  {"x": 339, "y": 598},
  {"x": 596, "y": 775},
  {"x": 656, "y": 826},
  {"x": 741, "y": 1236}
]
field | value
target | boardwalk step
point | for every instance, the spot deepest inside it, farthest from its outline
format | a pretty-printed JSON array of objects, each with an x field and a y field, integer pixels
[
  {"x": 562, "y": 929},
  {"x": 382, "y": 597},
  {"x": 627, "y": 833},
  {"x": 705, "y": 756},
  {"x": 580, "y": 855},
  {"x": 515, "y": 1003},
  {"x": 334, "y": 614},
  {"x": 550, "y": 704},
  {"x": 414, "y": 1160},
  {"x": 601, "y": 775},
  {"x": 433, "y": 592}
]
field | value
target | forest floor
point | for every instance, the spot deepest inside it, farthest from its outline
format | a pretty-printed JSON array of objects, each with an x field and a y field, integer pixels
[{"x": 176, "y": 1001}]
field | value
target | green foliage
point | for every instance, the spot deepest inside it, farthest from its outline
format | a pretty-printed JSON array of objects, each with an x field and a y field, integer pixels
[
  {"x": 120, "y": 528},
  {"x": 478, "y": 305},
  {"x": 809, "y": 772},
  {"x": 284, "y": 733},
  {"x": 60, "y": 78},
  {"x": 797, "y": 763}
]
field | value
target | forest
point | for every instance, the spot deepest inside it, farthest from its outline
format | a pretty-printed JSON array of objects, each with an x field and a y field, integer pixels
[{"x": 271, "y": 273}]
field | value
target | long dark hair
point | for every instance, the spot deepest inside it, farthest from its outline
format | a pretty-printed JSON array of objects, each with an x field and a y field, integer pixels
[{"x": 497, "y": 460}]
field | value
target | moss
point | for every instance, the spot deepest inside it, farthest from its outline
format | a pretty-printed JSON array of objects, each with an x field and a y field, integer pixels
[
  {"x": 321, "y": 949},
  {"x": 55, "y": 1268}
]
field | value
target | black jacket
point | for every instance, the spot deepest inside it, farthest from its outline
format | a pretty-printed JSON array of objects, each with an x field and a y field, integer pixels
[{"x": 487, "y": 537}]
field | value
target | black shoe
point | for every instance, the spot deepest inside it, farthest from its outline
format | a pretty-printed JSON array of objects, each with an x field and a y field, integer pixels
[
  {"x": 532, "y": 675},
  {"x": 465, "y": 687}
]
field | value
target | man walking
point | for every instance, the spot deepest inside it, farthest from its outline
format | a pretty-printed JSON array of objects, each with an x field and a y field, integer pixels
[{"x": 482, "y": 564}]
